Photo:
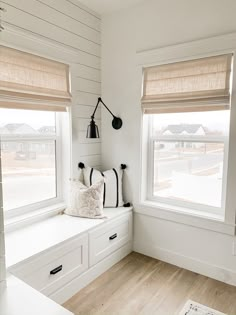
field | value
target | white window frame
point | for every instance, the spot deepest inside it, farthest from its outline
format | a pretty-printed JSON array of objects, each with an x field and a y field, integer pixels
[
  {"x": 175, "y": 138},
  {"x": 31, "y": 208},
  {"x": 213, "y": 46}
]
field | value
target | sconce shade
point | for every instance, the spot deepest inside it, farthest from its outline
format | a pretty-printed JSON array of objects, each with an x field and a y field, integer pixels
[{"x": 92, "y": 131}]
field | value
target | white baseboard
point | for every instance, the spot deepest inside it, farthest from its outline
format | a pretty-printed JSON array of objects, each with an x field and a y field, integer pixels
[
  {"x": 189, "y": 263},
  {"x": 91, "y": 274}
]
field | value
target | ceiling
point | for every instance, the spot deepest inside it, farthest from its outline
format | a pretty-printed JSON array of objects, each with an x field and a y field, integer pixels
[{"x": 108, "y": 6}]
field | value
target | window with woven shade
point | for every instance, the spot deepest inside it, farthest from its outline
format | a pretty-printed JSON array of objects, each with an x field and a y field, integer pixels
[
  {"x": 34, "y": 130},
  {"x": 194, "y": 85},
  {"x": 186, "y": 107}
]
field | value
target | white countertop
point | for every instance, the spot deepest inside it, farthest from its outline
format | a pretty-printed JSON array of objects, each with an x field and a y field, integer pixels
[
  {"x": 38, "y": 237},
  {"x": 17, "y": 298}
]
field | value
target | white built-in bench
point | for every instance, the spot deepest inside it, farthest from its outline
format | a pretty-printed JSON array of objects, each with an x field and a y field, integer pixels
[{"x": 62, "y": 254}]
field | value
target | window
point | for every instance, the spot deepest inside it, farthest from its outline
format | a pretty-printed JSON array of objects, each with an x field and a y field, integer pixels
[
  {"x": 35, "y": 92},
  {"x": 30, "y": 143},
  {"x": 188, "y": 131},
  {"x": 189, "y": 157}
]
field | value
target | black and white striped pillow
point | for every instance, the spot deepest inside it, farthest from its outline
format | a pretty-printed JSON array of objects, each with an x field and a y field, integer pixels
[{"x": 112, "y": 196}]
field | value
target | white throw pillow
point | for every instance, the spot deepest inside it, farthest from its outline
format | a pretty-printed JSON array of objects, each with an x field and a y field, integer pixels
[
  {"x": 86, "y": 201},
  {"x": 113, "y": 196}
]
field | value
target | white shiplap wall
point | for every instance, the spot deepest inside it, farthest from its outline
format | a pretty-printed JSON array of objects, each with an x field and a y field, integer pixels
[{"x": 66, "y": 31}]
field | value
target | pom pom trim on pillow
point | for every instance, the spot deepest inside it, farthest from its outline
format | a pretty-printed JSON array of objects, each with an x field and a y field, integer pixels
[{"x": 81, "y": 165}]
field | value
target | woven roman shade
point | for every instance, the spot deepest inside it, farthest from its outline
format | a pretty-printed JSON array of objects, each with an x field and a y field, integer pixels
[
  {"x": 32, "y": 82},
  {"x": 189, "y": 86}
]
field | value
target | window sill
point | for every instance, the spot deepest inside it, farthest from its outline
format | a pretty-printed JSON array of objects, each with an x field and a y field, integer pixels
[
  {"x": 203, "y": 220},
  {"x": 20, "y": 221}
]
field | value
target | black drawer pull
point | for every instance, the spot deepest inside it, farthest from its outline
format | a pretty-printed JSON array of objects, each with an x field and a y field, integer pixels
[
  {"x": 113, "y": 236},
  {"x": 56, "y": 270}
]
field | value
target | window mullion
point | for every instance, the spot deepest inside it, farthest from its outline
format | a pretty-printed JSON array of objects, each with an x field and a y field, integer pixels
[{"x": 204, "y": 139}]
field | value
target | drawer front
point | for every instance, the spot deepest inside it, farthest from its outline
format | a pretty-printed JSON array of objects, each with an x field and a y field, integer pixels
[
  {"x": 109, "y": 237},
  {"x": 56, "y": 267}
]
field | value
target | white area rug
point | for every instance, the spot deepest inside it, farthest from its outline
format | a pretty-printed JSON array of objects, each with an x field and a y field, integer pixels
[{"x": 193, "y": 308}]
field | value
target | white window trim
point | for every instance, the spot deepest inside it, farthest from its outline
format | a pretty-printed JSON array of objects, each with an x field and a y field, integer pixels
[
  {"x": 203, "y": 220},
  {"x": 37, "y": 209},
  {"x": 193, "y": 50},
  {"x": 20, "y": 221},
  {"x": 218, "y": 211}
]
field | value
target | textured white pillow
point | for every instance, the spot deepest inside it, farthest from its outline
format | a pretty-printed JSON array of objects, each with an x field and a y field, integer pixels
[
  {"x": 113, "y": 196},
  {"x": 86, "y": 201}
]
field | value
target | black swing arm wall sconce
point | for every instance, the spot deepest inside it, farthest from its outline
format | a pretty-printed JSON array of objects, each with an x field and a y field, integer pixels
[{"x": 92, "y": 131}]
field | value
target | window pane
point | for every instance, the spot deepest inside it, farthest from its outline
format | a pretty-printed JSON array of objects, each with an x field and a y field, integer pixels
[
  {"x": 189, "y": 171},
  {"x": 28, "y": 172},
  {"x": 212, "y": 123},
  {"x": 28, "y": 156}
]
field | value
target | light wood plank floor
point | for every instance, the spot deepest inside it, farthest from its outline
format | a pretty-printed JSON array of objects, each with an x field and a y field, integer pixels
[{"x": 142, "y": 285}]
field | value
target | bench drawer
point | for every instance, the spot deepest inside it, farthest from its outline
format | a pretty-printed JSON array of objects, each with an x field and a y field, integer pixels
[
  {"x": 109, "y": 237},
  {"x": 53, "y": 269}
]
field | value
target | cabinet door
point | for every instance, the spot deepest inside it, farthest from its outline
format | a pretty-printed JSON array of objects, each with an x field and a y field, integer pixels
[
  {"x": 109, "y": 237},
  {"x": 55, "y": 267}
]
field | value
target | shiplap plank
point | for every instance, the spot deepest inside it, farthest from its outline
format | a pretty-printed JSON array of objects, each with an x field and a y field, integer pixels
[
  {"x": 85, "y": 85},
  {"x": 36, "y": 25},
  {"x": 84, "y": 150},
  {"x": 82, "y": 6},
  {"x": 83, "y": 111},
  {"x": 90, "y": 149},
  {"x": 33, "y": 43},
  {"x": 84, "y": 98},
  {"x": 81, "y": 124},
  {"x": 44, "y": 12},
  {"x": 92, "y": 160},
  {"x": 75, "y": 12},
  {"x": 82, "y": 138},
  {"x": 86, "y": 72}
]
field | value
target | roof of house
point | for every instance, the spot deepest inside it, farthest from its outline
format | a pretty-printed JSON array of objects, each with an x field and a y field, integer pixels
[
  {"x": 178, "y": 129},
  {"x": 12, "y": 128}
]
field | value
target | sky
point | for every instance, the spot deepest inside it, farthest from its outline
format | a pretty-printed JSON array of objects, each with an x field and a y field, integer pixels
[
  {"x": 213, "y": 120},
  {"x": 35, "y": 119}
]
